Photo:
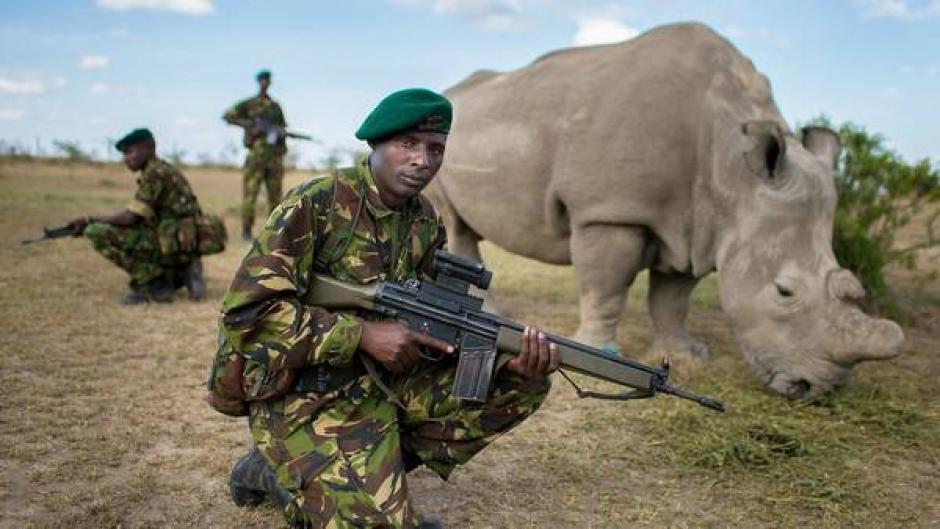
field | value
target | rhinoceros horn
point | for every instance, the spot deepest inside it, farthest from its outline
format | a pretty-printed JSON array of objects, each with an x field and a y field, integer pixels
[{"x": 859, "y": 337}]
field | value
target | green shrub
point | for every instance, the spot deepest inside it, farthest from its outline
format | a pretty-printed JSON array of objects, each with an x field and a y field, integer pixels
[{"x": 879, "y": 193}]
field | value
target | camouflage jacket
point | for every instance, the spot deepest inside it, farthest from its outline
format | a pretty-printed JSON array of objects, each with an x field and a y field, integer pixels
[
  {"x": 255, "y": 112},
  {"x": 163, "y": 193},
  {"x": 263, "y": 317}
]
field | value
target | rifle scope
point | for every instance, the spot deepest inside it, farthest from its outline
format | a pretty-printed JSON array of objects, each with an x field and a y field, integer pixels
[{"x": 456, "y": 267}]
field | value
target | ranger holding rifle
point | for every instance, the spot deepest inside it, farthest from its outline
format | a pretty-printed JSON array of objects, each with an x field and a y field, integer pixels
[
  {"x": 161, "y": 234},
  {"x": 342, "y": 404},
  {"x": 265, "y": 137}
]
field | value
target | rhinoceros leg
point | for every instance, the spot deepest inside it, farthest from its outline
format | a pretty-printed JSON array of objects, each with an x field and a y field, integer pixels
[
  {"x": 606, "y": 259},
  {"x": 461, "y": 239},
  {"x": 668, "y": 299}
]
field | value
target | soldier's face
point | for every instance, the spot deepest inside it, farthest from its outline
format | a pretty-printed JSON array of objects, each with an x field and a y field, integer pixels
[
  {"x": 136, "y": 156},
  {"x": 264, "y": 83},
  {"x": 405, "y": 164}
]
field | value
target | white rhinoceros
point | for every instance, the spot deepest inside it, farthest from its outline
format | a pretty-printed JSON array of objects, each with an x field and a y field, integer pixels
[{"x": 665, "y": 152}]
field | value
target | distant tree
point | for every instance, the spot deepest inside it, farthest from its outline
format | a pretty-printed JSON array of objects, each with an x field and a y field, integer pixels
[
  {"x": 230, "y": 154},
  {"x": 72, "y": 150},
  {"x": 12, "y": 150},
  {"x": 291, "y": 159},
  {"x": 177, "y": 156},
  {"x": 879, "y": 193}
]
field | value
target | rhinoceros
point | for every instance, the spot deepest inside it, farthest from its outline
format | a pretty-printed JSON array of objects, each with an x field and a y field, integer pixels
[{"x": 665, "y": 152}]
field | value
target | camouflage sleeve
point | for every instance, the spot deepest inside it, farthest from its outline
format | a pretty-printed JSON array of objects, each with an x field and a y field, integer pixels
[
  {"x": 235, "y": 112},
  {"x": 149, "y": 187},
  {"x": 262, "y": 315}
]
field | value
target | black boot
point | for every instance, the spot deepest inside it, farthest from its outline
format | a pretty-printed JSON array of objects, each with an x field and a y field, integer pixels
[
  {"x": 252, "y": 480},
  {"x": 158, "y": 290},
  {"x": 431, "y": 524},
  {"x": 193, "y": 280},
  {"x": 246, "y": 233}
]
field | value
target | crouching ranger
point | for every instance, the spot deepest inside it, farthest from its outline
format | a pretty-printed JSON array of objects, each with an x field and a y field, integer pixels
[
  {"x": 342, "y": 405},
  {"x": 159, "y": 237}
]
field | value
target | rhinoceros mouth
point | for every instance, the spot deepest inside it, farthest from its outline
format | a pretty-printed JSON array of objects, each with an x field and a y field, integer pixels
[
  {"x": 794, "y": 388},
  {"x": 783, "y": 381}
]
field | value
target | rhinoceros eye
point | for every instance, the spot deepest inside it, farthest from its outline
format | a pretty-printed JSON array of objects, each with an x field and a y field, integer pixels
[{"x": 785, "y": 288}]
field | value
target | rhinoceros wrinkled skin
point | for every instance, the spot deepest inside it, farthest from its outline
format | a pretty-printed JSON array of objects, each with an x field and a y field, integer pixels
[{"x": 664, "y": 152}]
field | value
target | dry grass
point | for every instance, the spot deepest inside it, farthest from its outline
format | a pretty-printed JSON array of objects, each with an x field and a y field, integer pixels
[{"x": 102, "y": 423}]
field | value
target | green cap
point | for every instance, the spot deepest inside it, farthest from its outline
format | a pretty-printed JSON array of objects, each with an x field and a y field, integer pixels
[
  {"x": 263, "y": 74},
  {"x": 410, "y": 109},
  {"x": 132, "y": 138}
]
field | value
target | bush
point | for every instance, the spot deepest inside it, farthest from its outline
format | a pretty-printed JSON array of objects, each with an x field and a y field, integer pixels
[{"x": 879, "y": 193}]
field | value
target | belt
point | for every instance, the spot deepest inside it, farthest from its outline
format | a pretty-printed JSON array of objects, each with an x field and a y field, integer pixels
[{"x": 324, "y": 379}]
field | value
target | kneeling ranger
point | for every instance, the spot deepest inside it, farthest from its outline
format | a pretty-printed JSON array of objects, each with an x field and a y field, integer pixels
[
  {"x": 159, "y": 237},
  {"x": 342, "y": 404}
]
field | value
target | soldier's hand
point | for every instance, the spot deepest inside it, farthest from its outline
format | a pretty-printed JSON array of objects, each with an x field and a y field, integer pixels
[
  {"x": 395, "y": 346},
  {"x": 537, "y": 357},
  {"x": 78, "y": 225}
]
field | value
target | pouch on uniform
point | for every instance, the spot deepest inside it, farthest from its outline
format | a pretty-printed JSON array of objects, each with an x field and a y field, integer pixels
[
  {"x": 210, "y": 234},
  {"x": 231, "y": 386}
]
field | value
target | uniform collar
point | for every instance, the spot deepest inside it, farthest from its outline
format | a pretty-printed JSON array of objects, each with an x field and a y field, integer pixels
[
  {"x": 373, "y": 201},
  {"x": 150, "y": 164}
]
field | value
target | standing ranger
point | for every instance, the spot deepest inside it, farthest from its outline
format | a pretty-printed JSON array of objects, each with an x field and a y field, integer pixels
[
  {"x": 364, "y": 405},
  {"x": 147, "y": 238},
  {"x": 264, "y": 125}
]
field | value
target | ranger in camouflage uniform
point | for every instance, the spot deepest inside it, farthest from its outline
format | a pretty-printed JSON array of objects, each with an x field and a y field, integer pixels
[
  {"x": 142, "y": 238},
  {"x": 334, "y": 449},
  {"x": 264, "y": 125}
]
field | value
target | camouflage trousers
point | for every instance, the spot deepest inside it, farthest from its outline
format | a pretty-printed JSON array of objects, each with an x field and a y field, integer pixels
[
  {"x": 343, "y": 456},
  {"x": 135, "y": 249},
  {"x": 266, "y": 166}
]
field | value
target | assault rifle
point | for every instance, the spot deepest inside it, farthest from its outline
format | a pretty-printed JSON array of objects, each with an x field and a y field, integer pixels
[
  {"x": 445, "y": 309},
  {"x": 272, "y": 133},
  {"x": 52, "y": 233}
]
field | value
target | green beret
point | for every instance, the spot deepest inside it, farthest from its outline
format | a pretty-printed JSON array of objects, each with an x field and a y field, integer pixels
[
  {"x": 263, "y": 74},
  {"x": 133, "y": 137},
  {"x": 410, "y": 109}
]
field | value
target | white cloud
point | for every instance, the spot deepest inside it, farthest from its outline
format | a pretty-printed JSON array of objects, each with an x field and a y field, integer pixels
[
  {"x": 928, "y": 70},
  {"x": 489, "y": 14},
  {"x": 12, "y": 114},
  {"x": 20, "y": 87},
  {"x": 99, "y": 88},
  {"x": 186, "y": 122},
  {"x": 900, "y": 9},
  {"x": 601, "y": 30},
  {"x": 94, "y": 62},
  {"x": 186, "y": 7}
]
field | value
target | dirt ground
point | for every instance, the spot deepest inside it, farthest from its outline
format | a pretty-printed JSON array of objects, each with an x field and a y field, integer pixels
[{"x": 102, "y": 423}]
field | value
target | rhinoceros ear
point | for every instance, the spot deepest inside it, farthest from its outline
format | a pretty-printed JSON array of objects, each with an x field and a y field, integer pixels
[
  {"x": 822, "y": 142},
  {"x": 769, "y": 148}
]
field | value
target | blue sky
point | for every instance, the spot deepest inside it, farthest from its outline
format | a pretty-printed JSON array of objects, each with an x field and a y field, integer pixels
[{"x": 90, "y": 70}]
